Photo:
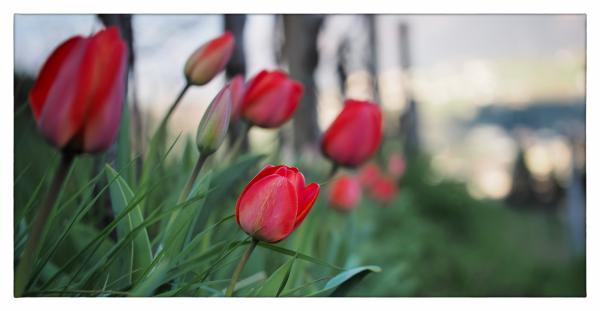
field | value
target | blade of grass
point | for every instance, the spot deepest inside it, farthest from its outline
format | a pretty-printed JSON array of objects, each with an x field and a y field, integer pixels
[
  {"x": 121, "y": 194},
  {"x": 288, "y": 252}
]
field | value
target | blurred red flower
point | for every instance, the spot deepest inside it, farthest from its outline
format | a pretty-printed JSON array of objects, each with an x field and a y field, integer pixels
[
  {"x": 345, "y": 193},
  {"x": 209, "y": 59},
  {"x": 77, "y": 98},
  {"x": 354, "y": 135},
  {"x": 369, "y": 174},
  {"x": 275, "y": 203},
  {"x": 384, "y": 189},
  {"x": 271, "y": 98},
  {"x": 396, "y": 165}
]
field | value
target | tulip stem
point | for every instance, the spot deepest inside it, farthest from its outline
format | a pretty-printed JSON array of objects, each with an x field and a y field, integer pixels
[
  {"x": 235, "y": 149},
  {"x": 175, "y": 104},
  {"x": 190, "y": 182},
  {"x": 240, "y": 267},
  {"x": 334, "y": 169},
  {"x": 25, "y": 266}
]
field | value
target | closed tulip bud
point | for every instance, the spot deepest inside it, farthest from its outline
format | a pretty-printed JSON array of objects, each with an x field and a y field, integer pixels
[
  {"x": 77, "y": 98},
  {"x": 215, "y": 122},
  {"x": 209, "y": 59},
  {"x": 275, "y": 203},
  {"x": 354, "y": 135},
  {"x": 271, "y": 99},
  {"x": 396, "y": 165},
  {"x": 384, "y": 189},
  {"x": 369, "y": 174},
  {"x": 237, "y": 88},
  {"x": 345, "y": 193}
]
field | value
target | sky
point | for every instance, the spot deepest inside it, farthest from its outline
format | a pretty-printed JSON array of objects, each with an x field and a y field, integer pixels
[{"x": 163, "y": 42}]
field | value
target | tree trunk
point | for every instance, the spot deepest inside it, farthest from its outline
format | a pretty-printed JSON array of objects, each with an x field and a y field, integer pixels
[
  {"x": 300, "y": 48},
  {"x": 235, "y": 24}
]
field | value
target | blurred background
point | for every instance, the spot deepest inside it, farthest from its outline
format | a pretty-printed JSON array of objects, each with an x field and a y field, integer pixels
[{"x": 488, "y": 112}]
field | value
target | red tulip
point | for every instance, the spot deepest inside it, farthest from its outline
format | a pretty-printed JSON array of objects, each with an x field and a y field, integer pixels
[
  {"x": 78, "y": 96},
  {"x": 215, "y": 122},
  {"x": 396, "y": 165},
  {"x": 369, "y": 174},
  {"x": 275, "y": 203},
  {"x": 354, "y": 135},
  {"x": 384, "y": 189},
  {"x": 271, "y": 98},
  {"x": 345, "y": 193},
  {"x": 209, "y": 59},
  {"x": 237, "y": 88}
]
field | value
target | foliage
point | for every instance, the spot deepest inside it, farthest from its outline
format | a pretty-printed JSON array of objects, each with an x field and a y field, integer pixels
[{"x": 115, "y": 233}]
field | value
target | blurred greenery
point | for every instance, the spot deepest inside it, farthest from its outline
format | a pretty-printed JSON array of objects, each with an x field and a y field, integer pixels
[{"x": 434, "y": 239}]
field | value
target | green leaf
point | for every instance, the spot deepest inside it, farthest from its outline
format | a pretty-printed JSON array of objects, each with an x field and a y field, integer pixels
[
  {"x": 121, "y": 195},
  {"x": 155, "y": 278},
  {"x": 276, "y": 282},
  {"x": 225, "y": 181},
  {"x": 289, "y": 252},
  {"x": 179, "y": 225},
  {"x": 340, "y": 284},
  {"x": 124, "y": 145}
]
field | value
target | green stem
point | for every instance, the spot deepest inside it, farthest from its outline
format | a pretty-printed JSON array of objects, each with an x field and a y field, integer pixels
[
  {"x": 240, "y": 267},
  {"x": 166, "y": 118},
  {"x": 25, "y": 266},
  {"x": 334, "y": 169},
  {"x": 192, "y": 179},
  {"x": 235, "y": 149}
]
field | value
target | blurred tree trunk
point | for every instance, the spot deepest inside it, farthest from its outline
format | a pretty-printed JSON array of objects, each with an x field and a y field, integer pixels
[
  {"x": 372, "y": 66},
  {"x": 235, "y": 24},
  {"x": 409, "y": 120},
  {"x": 300, "y": 48}
]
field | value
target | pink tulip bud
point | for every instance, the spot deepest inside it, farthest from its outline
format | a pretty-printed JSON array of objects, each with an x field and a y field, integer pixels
[
  {"x": 275, "y": 203},
  {"x": 77, "y": 98},
  {"x": 209, "y": 59},
  {"x": 215, "y": 122},
  {"x": 345, "y": 193}
]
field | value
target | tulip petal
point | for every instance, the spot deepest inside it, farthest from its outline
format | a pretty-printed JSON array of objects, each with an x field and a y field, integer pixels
[
  {"x": 267, "y": 211},
  {"x": 306, "y": 203},
  {"x": 62, "y": 114},
  {"x": 209, "y": 59},
  {"x": 47, "y": 76},
  {"x": 271, "y": 99},
  {"x": 266, "y": 171},
  {"x": 109, "y": 72},
  {"x": 354, "y": 135}
]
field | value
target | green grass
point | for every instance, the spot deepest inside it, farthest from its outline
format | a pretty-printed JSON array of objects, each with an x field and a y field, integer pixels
[{"x": 114, "y": 233}]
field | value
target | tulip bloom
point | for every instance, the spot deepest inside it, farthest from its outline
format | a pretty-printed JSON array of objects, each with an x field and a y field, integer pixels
[
  {"x": 345, "y": 193},
  {"x": 275, "y": 203},
  {"x": 271, "y": 99},
  {"x": 237, "y": 88},
  {"x": 384, "y": 189},
  {"x": 354, "y": 135},
  {"x": 369, "y": 174},
  {"x": 78, "y": 96},
  {"x": 396, "y": 165},
  {"x": 209, "y": 59},
  {"x": 215, "y": 122}
]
